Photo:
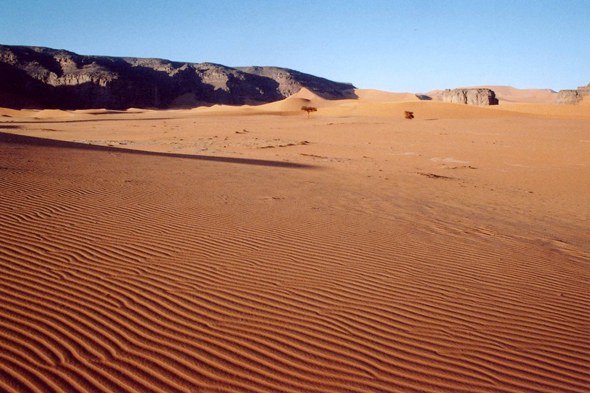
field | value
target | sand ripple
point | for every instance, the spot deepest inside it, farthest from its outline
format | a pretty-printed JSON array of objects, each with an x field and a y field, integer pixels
[{"x": 119, "y": 275}]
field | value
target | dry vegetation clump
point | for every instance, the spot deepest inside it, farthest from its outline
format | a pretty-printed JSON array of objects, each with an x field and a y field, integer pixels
[
  {"x": 409, "y": 115},
  {"x": 309, "y": 109}
]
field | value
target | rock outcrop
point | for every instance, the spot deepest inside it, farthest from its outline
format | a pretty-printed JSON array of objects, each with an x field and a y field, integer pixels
[
  {"x": 570, "y": 97},
  {"x": 58, "y": 79},
  {"x": 470, "y": 96},
  {"x": 584, "y": 91}
]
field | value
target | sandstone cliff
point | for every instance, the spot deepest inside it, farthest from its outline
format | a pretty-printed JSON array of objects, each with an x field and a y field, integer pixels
[
  {"x": 58, "y": 79},
  {"x": 572, "y": 96},
  {"x": 584, "y": 91},
  {"x": 568, "y": 97},
  {"x": 470, "y": 96}
]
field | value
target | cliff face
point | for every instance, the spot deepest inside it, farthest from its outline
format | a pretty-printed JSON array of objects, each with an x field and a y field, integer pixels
[
  {"x": 568, "y": 97},
  {"x": 470, "y": 96},
  {"x": 572, "y": 96},
  {"x": 584, "y": 91},
  {"x": 58, "y": 79}
]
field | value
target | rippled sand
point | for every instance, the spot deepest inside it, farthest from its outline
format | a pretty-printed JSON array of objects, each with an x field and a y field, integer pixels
[{"x": 255, "y": 250}]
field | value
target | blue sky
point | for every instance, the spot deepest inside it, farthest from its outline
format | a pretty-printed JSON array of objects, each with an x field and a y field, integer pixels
[{"x": 413, "y": 46}]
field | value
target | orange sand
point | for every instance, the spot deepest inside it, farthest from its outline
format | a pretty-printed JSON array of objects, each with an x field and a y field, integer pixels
[{"x": 254, "y": 250}]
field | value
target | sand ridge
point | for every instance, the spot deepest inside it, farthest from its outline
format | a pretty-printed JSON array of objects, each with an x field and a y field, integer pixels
[
  {"x": 237, "y": 249},
  {"x": 373, "y": 95}
]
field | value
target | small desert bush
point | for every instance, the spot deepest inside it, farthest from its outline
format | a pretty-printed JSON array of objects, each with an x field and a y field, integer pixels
[
  {"x": 409, "y": 115},
  {"x": 309, "y": 109}
]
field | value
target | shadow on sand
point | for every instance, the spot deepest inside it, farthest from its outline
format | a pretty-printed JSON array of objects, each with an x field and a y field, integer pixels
[{"x": 35, "y": 141}]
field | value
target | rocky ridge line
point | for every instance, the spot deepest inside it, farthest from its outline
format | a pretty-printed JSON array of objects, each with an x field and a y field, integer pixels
[{"x": 37, "y": 77}]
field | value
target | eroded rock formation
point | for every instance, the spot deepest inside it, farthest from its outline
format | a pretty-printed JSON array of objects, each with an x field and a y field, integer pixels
[
  {"x": 570, "y": 97},
  {"x": 58, "y": 79},
  {"x": 477, "y": 96}
]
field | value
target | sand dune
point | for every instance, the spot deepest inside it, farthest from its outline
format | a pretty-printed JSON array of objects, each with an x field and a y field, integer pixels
[
  {"x": 291, "y": 105},
  {"x": 579, "y": 111},
  {"x": 237, "y": 250},
  {"x": 6, "y": 112},
  {"x": 430, "y": 110},
  {"x": 372, "y": 95},
  {"x": 48, "y": 113},
  {"x": 307, "y": 95},
  {"x": 303, "y": 97}
]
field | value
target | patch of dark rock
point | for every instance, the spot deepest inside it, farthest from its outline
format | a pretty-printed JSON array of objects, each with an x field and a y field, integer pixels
[
  {"x": 434, "y": 176},
  {"x": 462, "y": 167}
]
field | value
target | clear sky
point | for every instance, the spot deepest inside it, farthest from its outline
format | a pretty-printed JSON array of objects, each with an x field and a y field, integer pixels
[{"x": 411, "y": 45}]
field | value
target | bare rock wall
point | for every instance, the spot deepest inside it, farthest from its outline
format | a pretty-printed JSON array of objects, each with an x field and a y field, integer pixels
[{"x": 470, "y": 96}]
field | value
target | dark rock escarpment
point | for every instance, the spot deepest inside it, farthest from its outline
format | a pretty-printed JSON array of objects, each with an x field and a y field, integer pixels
[
  {"x": 58, "y": 79},
  {"x": 478, "y": 96}
]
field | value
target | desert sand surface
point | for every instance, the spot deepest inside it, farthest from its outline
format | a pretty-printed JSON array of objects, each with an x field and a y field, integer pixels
[{"x": 253, "y": 249}]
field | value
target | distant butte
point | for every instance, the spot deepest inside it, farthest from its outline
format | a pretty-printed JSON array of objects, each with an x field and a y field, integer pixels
[
  {"x": 474, "y": 96},
  {"x": 573, "y": 96}
]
